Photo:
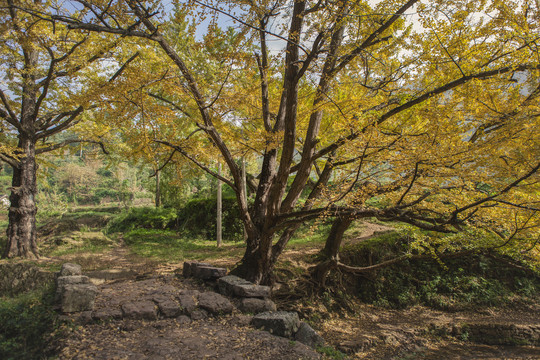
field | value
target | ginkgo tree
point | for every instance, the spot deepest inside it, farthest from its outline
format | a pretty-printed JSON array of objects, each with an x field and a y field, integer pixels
[
  {"x": 423, "y": 112},
  {"x": 51, "y": 77}
]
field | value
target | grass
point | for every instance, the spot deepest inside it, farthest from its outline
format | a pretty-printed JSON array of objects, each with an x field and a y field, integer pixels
[
  {"x": 28, "y": 325},
  {"x": 313, "y": 234},
  {"x": 170, "y": 246},
  {"x": 330, "y": 352}
]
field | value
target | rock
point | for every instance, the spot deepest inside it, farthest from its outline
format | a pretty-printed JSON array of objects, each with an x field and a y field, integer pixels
[
  {"x": 240, "y": 320},
  {"x": 227, "y": 283},
  {"x": 111, "y": 274},
  {"x": 183, "y": 319},
  {"x": 255, "y": 306},
  {"x": 279, "y": 323},
  {"x": 207, "y": 272},
  {"x": 199, "y": 314},
  {"x": 187, "y": 270},
  {"x": 70, "y": 269},
  {"x": 77, "y": 297},
  {"x": 74, "y": 279},
  {"x": 215, "y": 303},
  {"x": 188, "y": 301},
  {"x": 62, "y": 281},
  {"x": 233, "y": 285},
  {"x": 169, "y": 308},
  {"x": 107, "y": 314},
  {"x": 255, "y": 291},
  {"x": 84, "y": 318},
  {"x": 306, "y": 335},
  {"x": 140, "y": 310},
  {"x": 502, "y": 334}
]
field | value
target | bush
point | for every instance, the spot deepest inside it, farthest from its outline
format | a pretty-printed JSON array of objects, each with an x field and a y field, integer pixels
[
  {"x": 142, "y": 218},
  {"x": 198, "y": 218},
  {"x": 451, "y": 284},
  {"x": 27, "y": 325}
]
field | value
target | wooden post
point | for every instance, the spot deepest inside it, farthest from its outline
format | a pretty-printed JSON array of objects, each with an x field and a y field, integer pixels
[
  {"x": 244, "y": 184},
  {"x": 219, "y": 209},
  {"x": 158, "y": 190}
]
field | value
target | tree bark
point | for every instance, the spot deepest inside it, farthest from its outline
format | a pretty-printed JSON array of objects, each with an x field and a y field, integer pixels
[
  {"x": 257, "y": 264},
  {"x": 330, "y": 252},
  {"x": 21, "y": 231}
]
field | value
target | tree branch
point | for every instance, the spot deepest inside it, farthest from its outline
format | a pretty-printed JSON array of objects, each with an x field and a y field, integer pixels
[{"x": 198, "y": 163}]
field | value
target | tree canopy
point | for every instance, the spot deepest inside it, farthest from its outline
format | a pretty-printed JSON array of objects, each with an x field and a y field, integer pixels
[{"x": 420, "y": 112}]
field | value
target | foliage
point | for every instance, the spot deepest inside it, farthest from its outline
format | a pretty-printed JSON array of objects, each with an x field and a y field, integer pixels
[
  {"x": 28, "y": 325},
  {"x": 448, "y": 283},
  {"x": 142, "y": 218},
  {"x": 198, "y": 217}
]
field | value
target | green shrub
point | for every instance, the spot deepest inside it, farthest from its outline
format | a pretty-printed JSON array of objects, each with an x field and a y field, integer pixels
[
  {"x": 142, "y": 218},
  {"x": 198, "y": 218},
  {"x": 27, "y": 325},
  {"x": 459, "y": 283}
]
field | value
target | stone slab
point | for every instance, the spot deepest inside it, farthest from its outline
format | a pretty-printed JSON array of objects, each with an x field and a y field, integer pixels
[
  {"x": 215, "y": 303},
  {"x": 256, "y": 306},
  {"x": 169, "y": 308},
  {"x": 235, "y": 286},
  {"x": 280, "y": 323},
  {"x": 139, "y": 310},
  {"x": 69, "y": 269},
  {"x": 308, "y": 336},
  {"x": 77, "y": 297},
  {"x": 207, "y": 272}
]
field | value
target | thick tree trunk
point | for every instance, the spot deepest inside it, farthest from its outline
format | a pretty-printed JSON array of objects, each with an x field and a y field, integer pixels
[
  {"x": 21, "y": 231},
  {"x": 257, "y": 264}
]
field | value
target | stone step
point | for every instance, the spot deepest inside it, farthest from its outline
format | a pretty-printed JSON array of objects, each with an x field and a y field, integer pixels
[
  {"x": 202, "y": 271},
  {"x": 231, "y": 285}
]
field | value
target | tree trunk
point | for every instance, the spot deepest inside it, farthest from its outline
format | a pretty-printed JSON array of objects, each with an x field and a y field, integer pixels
[
  {"x": 330, "y": 252},
  {"x": 21, "y": 231},
  {"x": 257, "y": 265}
]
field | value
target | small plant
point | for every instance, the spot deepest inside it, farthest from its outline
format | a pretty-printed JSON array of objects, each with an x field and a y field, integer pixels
[{"x": 331, "y": 352}]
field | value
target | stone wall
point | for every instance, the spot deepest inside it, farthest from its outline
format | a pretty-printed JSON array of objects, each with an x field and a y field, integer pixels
[{"x": 20, "y": 277}]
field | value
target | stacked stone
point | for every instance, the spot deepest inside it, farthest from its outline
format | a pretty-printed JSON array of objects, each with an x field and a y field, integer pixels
[
  {"x": 74, "y": 291},
  {"x": 253, "y": 298},
  {"x": 256, "y": 299}
]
